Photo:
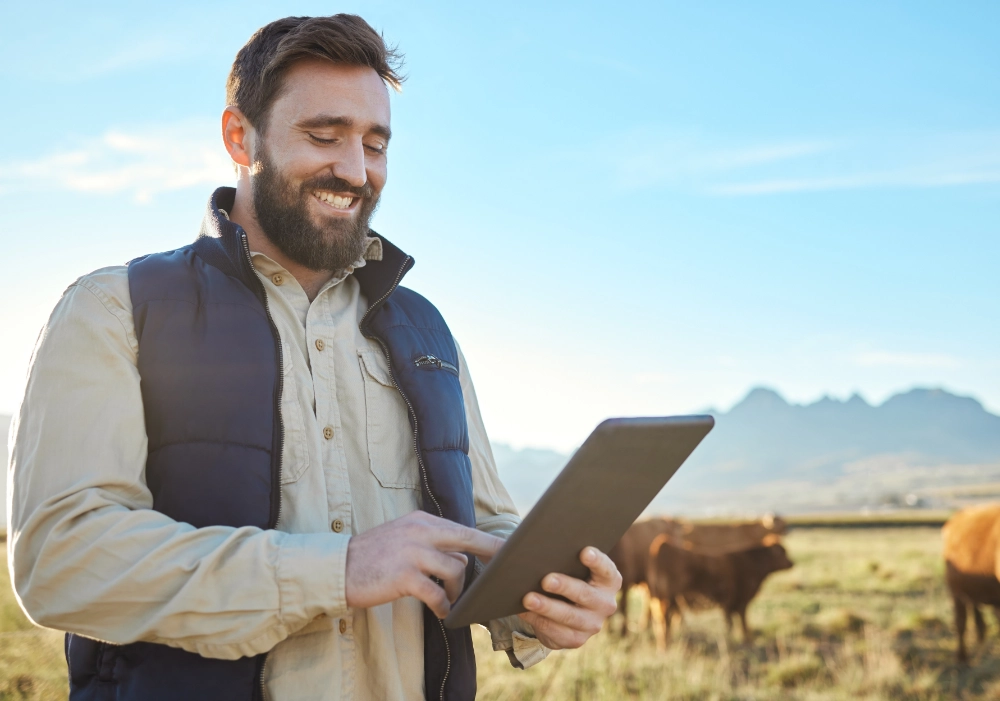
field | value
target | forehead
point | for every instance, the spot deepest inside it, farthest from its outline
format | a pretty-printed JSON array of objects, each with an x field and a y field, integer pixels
[{"x": 312, "y": 87}]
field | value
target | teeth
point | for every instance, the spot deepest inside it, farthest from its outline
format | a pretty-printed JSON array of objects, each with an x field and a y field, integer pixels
[{"x": 335, "y": 201}]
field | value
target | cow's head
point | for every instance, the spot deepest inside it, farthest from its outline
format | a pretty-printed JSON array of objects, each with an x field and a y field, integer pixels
[{"x": 777, "y": 558}]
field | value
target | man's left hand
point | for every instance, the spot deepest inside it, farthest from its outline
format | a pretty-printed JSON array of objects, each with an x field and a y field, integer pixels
[{"x": 560, "y": 625}]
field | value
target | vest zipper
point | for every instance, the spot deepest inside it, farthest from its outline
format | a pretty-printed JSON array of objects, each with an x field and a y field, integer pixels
[
  {"x": 425, "y": 361},
  {"x": 416, "y": 443},
  {"x": 260, "y": 678},
  {"x": 275, "y": 479}
]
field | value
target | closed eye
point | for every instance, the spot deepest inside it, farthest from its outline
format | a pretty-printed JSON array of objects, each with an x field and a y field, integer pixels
[{"x": 325, "y": 142}]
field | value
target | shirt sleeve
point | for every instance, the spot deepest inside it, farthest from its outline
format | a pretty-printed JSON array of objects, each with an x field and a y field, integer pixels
[
  {"x": 496, "y": 514},
  {"x": 87, "y": 552}
]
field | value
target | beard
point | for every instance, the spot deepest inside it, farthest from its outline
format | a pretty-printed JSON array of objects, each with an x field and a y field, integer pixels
[{"x": 283, "y": 214}]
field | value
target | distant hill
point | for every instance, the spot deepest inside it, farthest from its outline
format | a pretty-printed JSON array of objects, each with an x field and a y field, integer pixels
[
  {"x": 4, "y": 427},
  {"x": 526, "y": 473},
  {"x": 767, "y": 454}
]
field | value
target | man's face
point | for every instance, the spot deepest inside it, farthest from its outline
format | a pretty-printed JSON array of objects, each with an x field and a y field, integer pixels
[{"x": 319, "y": 169}]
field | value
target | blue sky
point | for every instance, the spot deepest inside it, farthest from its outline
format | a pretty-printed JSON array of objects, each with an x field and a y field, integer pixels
[{"x": 641, "y": 210}]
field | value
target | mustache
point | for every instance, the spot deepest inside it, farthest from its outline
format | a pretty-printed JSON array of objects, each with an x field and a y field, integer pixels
[{"x": 335, "y": 184}]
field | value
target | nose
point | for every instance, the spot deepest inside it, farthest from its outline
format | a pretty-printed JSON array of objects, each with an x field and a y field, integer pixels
[{"x": 351, "y": 165}]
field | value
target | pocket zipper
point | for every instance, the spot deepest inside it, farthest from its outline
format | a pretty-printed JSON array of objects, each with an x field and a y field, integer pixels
[{"x": 426, "y": 361}]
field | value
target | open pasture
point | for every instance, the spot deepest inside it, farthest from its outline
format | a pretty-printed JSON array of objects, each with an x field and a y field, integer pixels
[{"x": 863, "y": 615}]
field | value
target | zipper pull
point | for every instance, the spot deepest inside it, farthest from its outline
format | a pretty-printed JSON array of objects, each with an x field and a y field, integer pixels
[
  {"x": 432, "y": 361},
  {"x": 427, "y": 360}
]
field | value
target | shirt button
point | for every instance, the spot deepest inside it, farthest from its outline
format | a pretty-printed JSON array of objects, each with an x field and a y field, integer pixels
[
  {"x": 337, "y": 525},
  {"x": 328, "y": 432},
  {"x": 277, "y": 279},
  {"x": 319, "y": 344},
  {"x": 343, "y": 626}
]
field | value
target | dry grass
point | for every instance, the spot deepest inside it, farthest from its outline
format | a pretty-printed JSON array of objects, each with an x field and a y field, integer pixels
[
  {"x": 863, "y": 616},
  {"x": 31, "y": 659}
]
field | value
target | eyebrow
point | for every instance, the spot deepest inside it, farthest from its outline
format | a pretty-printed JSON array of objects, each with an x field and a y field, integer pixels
[{"x": 321, "y": 121}]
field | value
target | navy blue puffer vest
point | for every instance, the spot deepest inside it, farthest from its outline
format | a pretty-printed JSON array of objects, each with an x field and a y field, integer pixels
[{"x": 210, "y": 366}]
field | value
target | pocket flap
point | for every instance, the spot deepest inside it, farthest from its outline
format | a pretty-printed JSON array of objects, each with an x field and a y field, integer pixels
[{"x": 374, "y": 364}]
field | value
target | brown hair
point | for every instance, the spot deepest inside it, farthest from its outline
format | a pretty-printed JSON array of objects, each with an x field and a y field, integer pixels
[{"x": 256, "y": 78}]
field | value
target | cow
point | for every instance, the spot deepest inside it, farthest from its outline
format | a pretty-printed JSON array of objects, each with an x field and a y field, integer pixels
[
  {"x": 970, "y": 538},
  {"x": 631, "y": 554},
  {"x": 730, "y": 580},
  {"x": 722, "y": 538}
]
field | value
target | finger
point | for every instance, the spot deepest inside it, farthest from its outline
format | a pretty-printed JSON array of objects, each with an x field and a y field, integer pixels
[
  {"x": 450, "y": 570},
  {"x": 452, "y": 536},
  {"x": 552, "y": 635},
  {"x": 446, "y": 535},
  {"x": 453, "y": 587},
  {"x": 588, "y": 596},
  {"x": 567, "y": 615},
  {"x": 461, "y": 557},
  {"x": 603, "y": 572},
  {"x": 425, "y": 589}
]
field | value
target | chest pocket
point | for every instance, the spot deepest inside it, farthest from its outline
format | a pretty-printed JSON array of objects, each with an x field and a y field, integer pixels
[
  {"x": 295, "y": 459},
  {"x": 390, "y": 437}
]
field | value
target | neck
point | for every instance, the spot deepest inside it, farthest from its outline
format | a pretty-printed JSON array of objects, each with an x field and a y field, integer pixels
[{"x": 312, "y": 281}]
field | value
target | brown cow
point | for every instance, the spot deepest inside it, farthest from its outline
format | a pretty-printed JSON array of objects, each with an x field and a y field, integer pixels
[
  {"x": 631, "y": 554},
  {"x": 731, "y": 580},
  {"x": 722, "y": 538},
  {"x": 971, "y": 537}
]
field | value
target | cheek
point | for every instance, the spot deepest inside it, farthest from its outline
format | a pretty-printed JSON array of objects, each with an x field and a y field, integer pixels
[
  {"x": 376, "y": 173},
  {"x": 297, "y": 160}
]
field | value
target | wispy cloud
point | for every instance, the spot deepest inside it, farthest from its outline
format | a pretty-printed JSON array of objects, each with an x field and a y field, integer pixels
[
  {"x": 906, "y": 360},
  {"x": 898, "y": 179},
  {"x": 84, "y": 44},
  {"x": 698, "y": 163},
  {"x": 132, "y": 55},
  {"x": 142, "y": 162},
  {"x": 645, "y": 158},
  {"x": 654, "y": 378}
]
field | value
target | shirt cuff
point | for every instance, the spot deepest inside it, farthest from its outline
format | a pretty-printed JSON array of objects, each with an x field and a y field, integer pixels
[
  {"x": 312, "y": 577},
  {"x": 517, "y": 638},
  {"x": 527, "y": 650}
]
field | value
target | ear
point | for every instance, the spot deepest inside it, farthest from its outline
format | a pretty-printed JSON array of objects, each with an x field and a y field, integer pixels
[{"x": 237, "y": 135}]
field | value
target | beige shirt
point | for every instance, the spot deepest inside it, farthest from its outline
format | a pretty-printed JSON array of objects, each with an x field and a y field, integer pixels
[{"x": 89, "y": 555}]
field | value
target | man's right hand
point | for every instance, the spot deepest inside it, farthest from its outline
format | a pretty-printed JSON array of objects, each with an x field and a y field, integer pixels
[{"x": 399, "y": 558}]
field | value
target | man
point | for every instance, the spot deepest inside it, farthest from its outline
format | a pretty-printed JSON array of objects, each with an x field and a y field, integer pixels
[{"x": 254, "y": 467}]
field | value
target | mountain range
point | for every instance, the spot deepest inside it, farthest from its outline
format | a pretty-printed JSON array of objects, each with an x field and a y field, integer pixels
[
  {"x": 924, "y": 447},
  {"x": 920, "y": 447}
]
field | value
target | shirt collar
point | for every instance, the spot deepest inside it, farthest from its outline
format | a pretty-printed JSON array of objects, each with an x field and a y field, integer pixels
[
  {"x": 372, "y": 251},
  {"x": 220, "y": 245},
  {"x": 267, "y": 266}
]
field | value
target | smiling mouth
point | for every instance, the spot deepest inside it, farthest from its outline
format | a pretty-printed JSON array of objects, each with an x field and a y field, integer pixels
[{"x": 342, "y": 203}]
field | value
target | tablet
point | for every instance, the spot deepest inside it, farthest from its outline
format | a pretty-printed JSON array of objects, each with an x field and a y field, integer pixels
[{"x": 603, "y": 489}]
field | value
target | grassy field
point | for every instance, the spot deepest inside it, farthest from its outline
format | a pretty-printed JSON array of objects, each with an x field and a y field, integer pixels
[
  {"x": 31, "y": 659},
  {"x": 863, "y": 615}
]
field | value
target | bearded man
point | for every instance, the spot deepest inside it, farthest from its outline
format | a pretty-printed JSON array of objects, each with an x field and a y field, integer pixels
[{"x": 254, "y": 467}]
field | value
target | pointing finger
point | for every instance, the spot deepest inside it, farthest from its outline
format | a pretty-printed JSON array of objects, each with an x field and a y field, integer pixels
[{"x": 458, "y": 538}]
